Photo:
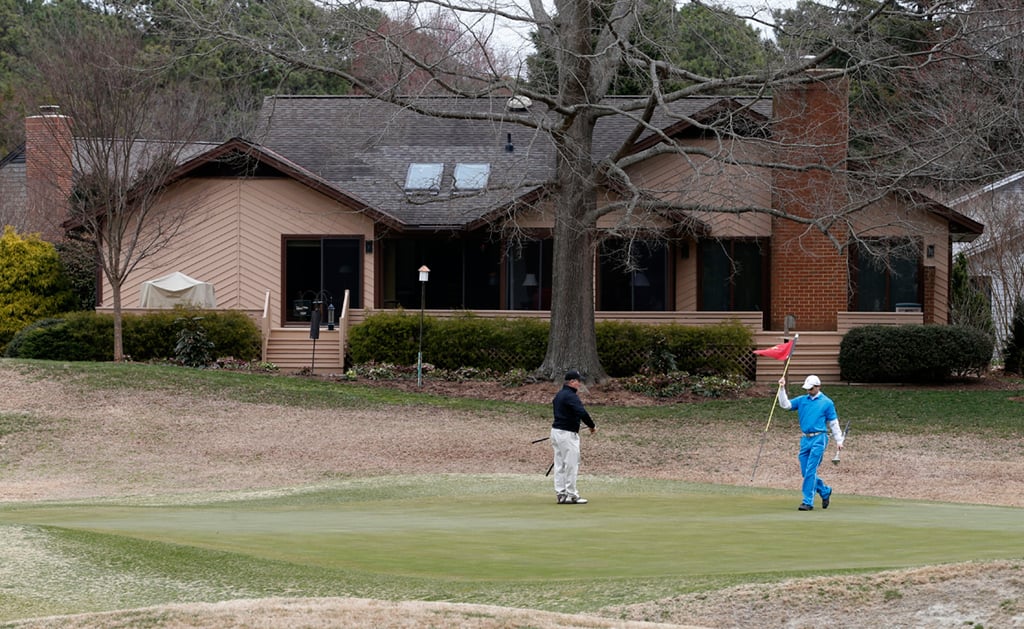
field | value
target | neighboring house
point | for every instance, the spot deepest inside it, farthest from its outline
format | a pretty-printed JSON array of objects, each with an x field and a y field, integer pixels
[
  {"x": 996, "y": 259},
  {"x": 348, "y": 194}
]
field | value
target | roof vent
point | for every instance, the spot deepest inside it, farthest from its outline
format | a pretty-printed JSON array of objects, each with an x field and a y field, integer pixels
[
  {"x": 518, "y": 103},
  {"x": 509, "y": 147}
]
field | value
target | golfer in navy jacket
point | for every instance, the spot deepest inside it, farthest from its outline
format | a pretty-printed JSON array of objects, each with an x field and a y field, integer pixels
[
  {"x": 565, "y": 438},
  {"x": 817, "y": 416}
]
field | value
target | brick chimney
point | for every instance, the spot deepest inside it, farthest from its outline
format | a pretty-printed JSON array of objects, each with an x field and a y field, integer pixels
[
  {"x": 809, "y": 275},
  {"x": 48, "y": 171}
]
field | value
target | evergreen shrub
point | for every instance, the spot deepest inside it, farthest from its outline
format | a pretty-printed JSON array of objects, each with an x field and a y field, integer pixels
[
  {"x": 913, "y": 353},
  {"x": 451, "y": 344},
  {"x": 501, "y": 345},
  {"x": 150, "y": 336},
  {"x": 1013, "y": 351},
  {"x": 33, "y": 284},
  {"x": 627, "y": 348}
]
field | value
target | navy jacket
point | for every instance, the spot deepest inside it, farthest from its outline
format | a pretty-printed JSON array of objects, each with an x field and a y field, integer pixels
[{"x": 569, "y": 411}]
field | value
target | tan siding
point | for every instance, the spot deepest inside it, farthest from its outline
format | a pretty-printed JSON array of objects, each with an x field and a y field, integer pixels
[
  {"x": 700, "y": 180},
  {"x": 889, "y": 218},
  {"x": 235, "y": 243},
  {"x": 686, "y": 281}
]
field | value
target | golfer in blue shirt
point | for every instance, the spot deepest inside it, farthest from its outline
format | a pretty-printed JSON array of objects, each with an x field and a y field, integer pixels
[{"x": 817, "y": 416}]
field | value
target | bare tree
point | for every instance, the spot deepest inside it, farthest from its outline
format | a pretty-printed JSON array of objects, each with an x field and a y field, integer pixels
[
  {"x": 591, "y": 42},
  {"x": 125, "y": 130}
]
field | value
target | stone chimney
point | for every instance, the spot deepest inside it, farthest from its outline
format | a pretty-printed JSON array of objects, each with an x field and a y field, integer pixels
[
  {"x": 810, "y": 128},
  {"x": 48, "y": 171}
]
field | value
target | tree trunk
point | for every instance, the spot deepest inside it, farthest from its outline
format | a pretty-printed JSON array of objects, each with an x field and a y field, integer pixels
[
  {"x": 572, "y": 341},
  {"x": 115, "y": 296}
]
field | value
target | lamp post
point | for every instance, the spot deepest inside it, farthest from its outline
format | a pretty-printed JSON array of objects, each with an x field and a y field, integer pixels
[{"x": 424, "y": 275}]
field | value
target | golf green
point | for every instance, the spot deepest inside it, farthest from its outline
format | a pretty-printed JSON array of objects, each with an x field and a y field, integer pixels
[{"x": 509, "y": 528}]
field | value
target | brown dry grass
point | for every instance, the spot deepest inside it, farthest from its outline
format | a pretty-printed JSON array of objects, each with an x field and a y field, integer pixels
[{"x": 114, "y": 444}]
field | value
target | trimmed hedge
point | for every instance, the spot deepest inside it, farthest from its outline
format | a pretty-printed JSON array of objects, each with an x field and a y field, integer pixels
[
  {"x": 913, "y": 353},
  {"x": 624, "y": 348},
  {"x": 150, "y": 336},
  {"x": 627, "y": 348},
  {"x": 464, "y": 341}
]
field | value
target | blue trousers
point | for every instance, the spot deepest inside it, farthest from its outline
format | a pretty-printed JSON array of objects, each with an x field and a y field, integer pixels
[{"x": 812, "y": 449}]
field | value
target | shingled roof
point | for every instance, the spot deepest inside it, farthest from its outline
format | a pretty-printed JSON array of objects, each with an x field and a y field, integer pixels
[{"x": 364, "y": 147}]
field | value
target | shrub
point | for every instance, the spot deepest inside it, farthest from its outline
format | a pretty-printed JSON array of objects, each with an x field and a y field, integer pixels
[
  {"x": 151, "y": 336},
  {"x": 913, "y": 353},
  {"x": 33, "y": 284},
  {"x": 391, "y": 337},
  {"x": 1013, "y": 352},
  {"x": 450, "y": 344},
  {"x": 631, "y": 348},
  {"x": 193, "y": 348}
]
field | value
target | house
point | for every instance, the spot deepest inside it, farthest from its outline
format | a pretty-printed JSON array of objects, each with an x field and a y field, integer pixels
[
  {"x": 996, "y": 259},
  {"x": 350, "y": 196}
]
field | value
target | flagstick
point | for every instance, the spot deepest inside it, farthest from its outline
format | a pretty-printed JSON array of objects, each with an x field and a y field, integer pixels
[{"x": 771, "y": 413}]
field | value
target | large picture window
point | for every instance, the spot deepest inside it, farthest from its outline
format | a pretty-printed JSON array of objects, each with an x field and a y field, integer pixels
[
  {"x": 643, "y": 287},
  {"x": 732, "y": 275},
  {"x": 321, "y": 269},
  {"x": 885, "y": 274},
  {"x": 464, "y": 273}
]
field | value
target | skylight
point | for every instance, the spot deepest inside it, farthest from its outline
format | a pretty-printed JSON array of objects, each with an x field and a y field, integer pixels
[
  {"x": 424, "y": 178},
  {"x": 471, "y": 176}
]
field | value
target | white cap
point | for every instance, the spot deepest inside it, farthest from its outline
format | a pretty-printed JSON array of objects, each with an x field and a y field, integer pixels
[{"x": 811, "y": 382}]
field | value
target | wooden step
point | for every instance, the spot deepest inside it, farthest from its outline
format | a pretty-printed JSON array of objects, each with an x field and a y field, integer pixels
[
  {"x": 815, "y": 353},
  {"x": 292, "y": 350}
]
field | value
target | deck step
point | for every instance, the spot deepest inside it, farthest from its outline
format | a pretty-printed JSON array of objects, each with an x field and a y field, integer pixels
[
  {"x": 815, "y": 352},
  {"x": 292, "y": 350}
]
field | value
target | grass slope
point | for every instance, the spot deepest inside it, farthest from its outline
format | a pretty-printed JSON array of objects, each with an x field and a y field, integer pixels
[{"x": 482, "y": 539}]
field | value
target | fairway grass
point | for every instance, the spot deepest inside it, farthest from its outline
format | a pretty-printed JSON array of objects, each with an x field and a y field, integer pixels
[{"x": 493, "y": 539}]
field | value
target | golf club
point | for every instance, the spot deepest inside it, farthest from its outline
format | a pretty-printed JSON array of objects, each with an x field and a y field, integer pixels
[
  {"x": 835, "y": 459},
  {"x": 541, "y": 439}
]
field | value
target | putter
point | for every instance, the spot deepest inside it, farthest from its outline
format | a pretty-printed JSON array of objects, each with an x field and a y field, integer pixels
[{"x": 835, "y": 459}]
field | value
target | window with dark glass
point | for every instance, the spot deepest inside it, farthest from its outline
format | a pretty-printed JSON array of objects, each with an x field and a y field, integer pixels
[
  {"x": 464, "y": 272},
  {"x": 633, "y": 276},
  {"x": 885, "y": 274},
  {"x": 732, "y": 275},
  {"x": 529, "y": 275},
  {"x": 321, "y": 270}
]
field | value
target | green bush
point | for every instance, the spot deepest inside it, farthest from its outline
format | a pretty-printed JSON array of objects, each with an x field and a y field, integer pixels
[
  {"x": 628, "y": 348},
  {"x": 450, "y": 344},
  {"x": 33, "y": 284},
  {"x": 502, "y": 345},
  {"x": 389, "y": 337},
  {"x": 913, "y": 353},
  {"x": 151, "y": 336},
  {"x": 75, "y": 336},
  {"x": 1013, "y": 351}
]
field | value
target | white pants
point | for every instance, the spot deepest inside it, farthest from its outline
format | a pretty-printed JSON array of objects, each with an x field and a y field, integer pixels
[{"x": 566, "y": 445}]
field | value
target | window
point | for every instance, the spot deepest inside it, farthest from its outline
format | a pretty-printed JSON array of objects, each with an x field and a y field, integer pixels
[
  {"x": 464, "y": 272},
  {"x": 471, "y": 176},
  {"x": 529, "y": 276},
  {"x": 885, "y": 273},
  {"x": 424, "y": 178},
  {"x": 732, "y": 275},
  {"x": 643, "y": 288},
  {"x": 321, "y": 270}
]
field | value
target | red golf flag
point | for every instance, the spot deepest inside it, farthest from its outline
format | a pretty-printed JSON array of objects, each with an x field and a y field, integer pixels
[{"x": 779, "y": 352}]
